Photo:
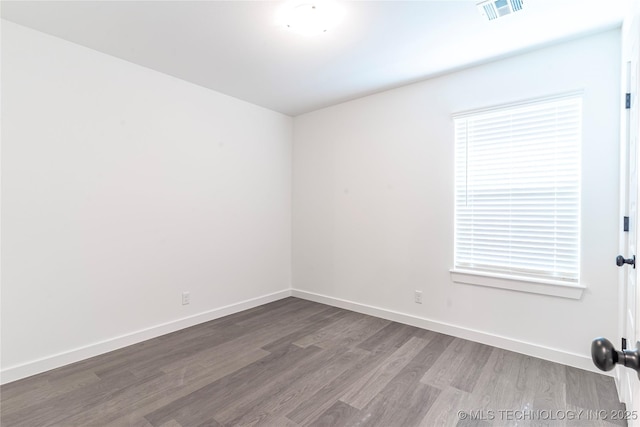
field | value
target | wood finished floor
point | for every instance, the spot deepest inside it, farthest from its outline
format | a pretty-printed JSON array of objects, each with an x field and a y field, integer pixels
[{"x": 299, "y": 363}]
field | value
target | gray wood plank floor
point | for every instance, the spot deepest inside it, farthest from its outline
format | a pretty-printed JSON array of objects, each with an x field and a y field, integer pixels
[{"x": 299, "y": 363}]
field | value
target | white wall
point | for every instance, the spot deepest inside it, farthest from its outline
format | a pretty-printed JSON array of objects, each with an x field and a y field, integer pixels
[
  {"x": 373, "y": 203},
  {"x": 121, "y": 188}
]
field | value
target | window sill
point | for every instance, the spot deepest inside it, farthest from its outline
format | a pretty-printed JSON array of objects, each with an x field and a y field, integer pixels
[{"x": 521, "y": 284}]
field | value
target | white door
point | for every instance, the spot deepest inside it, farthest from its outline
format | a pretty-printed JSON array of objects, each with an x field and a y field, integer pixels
[{"x": 628, "y": 383}]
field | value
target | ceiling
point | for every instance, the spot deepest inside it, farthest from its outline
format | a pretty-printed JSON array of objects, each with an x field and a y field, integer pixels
[{"x": 238, "y": 48}]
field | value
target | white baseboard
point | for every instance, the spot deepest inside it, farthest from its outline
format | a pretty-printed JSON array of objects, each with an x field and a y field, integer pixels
[
  {"x": 535, "y": 350},
  {"x": 16, "y": 372}
]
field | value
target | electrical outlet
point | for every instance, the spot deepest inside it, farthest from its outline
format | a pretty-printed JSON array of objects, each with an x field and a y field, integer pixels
[
  {"x": 186, "y": 298},
  {"x": 418, "y": 297}
]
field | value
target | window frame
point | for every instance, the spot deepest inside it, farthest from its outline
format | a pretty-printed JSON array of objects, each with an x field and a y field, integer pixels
[{"x": 506, "y": 280}]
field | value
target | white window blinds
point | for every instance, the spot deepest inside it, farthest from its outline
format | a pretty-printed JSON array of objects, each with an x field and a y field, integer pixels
[{"x": 517, "y": 192}]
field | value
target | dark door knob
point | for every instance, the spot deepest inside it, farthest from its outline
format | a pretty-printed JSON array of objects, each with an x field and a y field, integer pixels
[
  {"x": 620, "y": 261},
  {"x": 605, "y": 356}
]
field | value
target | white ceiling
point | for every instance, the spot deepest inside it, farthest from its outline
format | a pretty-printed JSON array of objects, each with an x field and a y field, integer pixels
[{"x": 236, "y": 47}]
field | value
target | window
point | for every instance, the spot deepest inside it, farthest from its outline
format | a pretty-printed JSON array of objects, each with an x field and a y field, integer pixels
[{"x": 517, "y": 191}]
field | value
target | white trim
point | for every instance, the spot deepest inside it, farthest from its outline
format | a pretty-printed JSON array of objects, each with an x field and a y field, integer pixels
[
  {"x": 623, "y": 387},
  {"x": 522, "y": 103},
  {"x": 16, "y": 372},
  {"x": 515, "y": 283},
  {"x": 530, "y": 349}
]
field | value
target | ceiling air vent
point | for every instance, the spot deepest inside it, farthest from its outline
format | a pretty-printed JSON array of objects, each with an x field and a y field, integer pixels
[{"x": 493, "y": 9}]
